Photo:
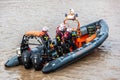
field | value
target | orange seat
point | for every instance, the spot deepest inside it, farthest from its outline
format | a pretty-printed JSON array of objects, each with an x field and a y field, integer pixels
[
  {"x": 89, "y": 39},
  {"x": 81, "y": 40}
]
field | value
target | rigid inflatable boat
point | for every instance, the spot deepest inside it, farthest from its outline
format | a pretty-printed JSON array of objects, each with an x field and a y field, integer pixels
[
  {"x": 88, "y": 37},
  {"x": 83, "y": 50}
]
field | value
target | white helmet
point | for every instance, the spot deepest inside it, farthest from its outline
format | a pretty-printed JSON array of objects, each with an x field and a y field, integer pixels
[
  {"x": 45, "y": 28},
  {"x": 69, "y": 29},
  {"x": 62, "y": 25},
  {"x": 61, "y": 28},
  {"x": 72, "y": 10}
]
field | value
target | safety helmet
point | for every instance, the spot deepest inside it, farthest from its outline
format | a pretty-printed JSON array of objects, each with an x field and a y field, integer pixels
[
  {"x": 45, "y": 28},
  {"x": 61, "y": 28},
  {"x": 69, "y": 29},
  {"x": 62, "y": 24}
]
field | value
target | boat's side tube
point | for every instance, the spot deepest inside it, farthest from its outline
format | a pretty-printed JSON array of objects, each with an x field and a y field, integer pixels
[{"x": 14, "y": 61}]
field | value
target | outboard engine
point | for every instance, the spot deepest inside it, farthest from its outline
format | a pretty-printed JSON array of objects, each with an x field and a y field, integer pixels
[
  {"x": 37, "y": 58},
  {"x": 27, "y": 52},
  {"x": 33, "y": 56},
  {"x": 37, "y": 61},
  {"x": 26, "y": 59}
]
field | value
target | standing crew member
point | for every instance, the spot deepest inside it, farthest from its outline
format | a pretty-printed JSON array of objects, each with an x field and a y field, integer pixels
[
  {"x": 46, "y": 41},
  {"x": 60, "y": 40},
  {"x": 46, "y": 38}
]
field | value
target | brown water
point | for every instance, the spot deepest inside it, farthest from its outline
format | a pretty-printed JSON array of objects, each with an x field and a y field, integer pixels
[{"x": 19, "y": 16}]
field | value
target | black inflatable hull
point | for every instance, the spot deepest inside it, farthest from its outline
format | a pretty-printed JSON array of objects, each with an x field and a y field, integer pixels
[
  {"x": 80, "y": 52},
  {"x": 14, "y": 61}
]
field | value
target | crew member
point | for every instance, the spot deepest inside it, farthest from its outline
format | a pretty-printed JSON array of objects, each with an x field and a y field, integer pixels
[
  {"x": 46, "y": 41},
  {"x": 60, "y": 40},
  {"x": 45, "y": 36},
  {"x": 69, "y": 43}
]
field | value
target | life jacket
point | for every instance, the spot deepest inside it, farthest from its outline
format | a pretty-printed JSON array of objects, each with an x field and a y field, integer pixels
[
  {"x": 46, "y": 37},
  {"x": 60, "y": 36},
  {"x": 66, "y": 35}
]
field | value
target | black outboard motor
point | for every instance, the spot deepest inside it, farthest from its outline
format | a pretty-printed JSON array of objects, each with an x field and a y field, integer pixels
[
  {"x": 26, "y": 59},
  {"x": 37, "y": 61},
  {"x": 36, "y": 56}
]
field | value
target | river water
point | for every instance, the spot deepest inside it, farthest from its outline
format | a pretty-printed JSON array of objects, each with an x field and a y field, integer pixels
[{"x": 20, "y": 16}]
